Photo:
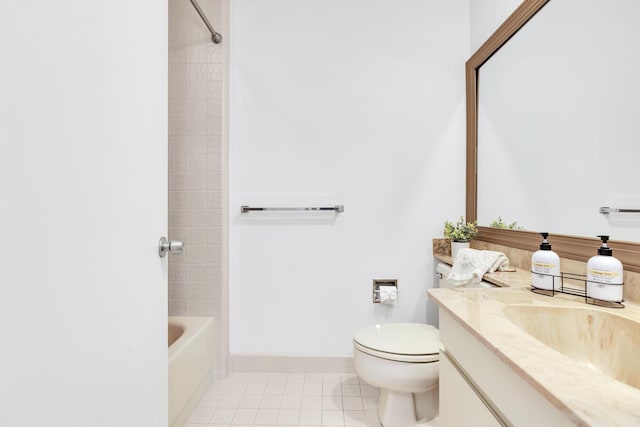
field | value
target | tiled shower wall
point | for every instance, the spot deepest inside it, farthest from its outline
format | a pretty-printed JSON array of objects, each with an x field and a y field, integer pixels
[{"x": 198, "y": 279}]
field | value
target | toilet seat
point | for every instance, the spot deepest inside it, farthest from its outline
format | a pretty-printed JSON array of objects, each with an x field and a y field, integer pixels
[{"x": 400, "y": 342}]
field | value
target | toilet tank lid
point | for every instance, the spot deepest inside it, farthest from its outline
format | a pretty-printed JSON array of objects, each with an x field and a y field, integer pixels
[
  {"x": 400, "y": 338},
  {"x": 443, "y": 269}
]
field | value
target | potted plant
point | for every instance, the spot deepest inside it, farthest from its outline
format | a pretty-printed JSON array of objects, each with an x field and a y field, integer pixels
[
  {"x": 460, "y": 234},
  {"x": 499, "y": 223}
]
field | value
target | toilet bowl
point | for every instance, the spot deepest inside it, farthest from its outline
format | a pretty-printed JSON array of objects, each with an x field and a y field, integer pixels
[{"x": 402, "y": 360}]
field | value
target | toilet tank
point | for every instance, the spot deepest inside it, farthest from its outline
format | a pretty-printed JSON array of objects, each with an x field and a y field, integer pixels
[{"x": 443, "y": 271}]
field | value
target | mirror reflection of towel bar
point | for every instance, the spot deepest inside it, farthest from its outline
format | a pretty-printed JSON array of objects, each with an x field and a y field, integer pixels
[
  {"x": 606, "y": 210},
  {"x": 336, "y": 208}
]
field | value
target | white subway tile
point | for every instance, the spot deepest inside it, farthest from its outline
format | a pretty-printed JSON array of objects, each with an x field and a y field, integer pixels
[
  {"x": 197, "y": 237},
  {"x": 178, "y": 200},
  {"x": 200, "y": 308},
  {"x": 202, "y": 291},
  {"x": 215, "y": 72},
  {"x": 197, "y": 200},
  {"x": 214, "y": 108},
  {"x": 178, "y": 127},
  {"x": 214, "y": 182},
  {"x": 197, "y": 182},
  {"x": 178, "y": 72},
  {"x": 197, "y": 218},
  {"x": 179, "y": 90},
  {"x": 178, "y": 163},
  {"x": 178, "y": 182},
  {"x": 198, "y": 72},
  {"x": 215, "y": 53},
  {"x": 178, "y": 290},
  {"x": 197, "y": 53},
  {"x": 179, "y": 217},
  {"x": 214, "y": 126},
  {"x": 214, "y": 91},
  {"x": 177, "y": 233},
  {"x": 197, "y": 144},
  {"x": 178, "y": 308},
  {"x": 179, "y": 273},
  {"x": 198, "y": 162},
  {"x": 196, "y": 90},
  {"x": 178, "y": 109},
  {"x": 178, "y": 145},
  {"x": 201, "y": 272}
]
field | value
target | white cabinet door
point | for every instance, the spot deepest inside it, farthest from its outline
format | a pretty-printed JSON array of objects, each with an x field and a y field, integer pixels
[
  {"x": 83, "y": 202},
  {"x": 460, "y": 406}
]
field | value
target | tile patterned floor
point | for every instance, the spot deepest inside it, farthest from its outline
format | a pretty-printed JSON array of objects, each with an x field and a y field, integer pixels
[{"x": 301, "y": 400}]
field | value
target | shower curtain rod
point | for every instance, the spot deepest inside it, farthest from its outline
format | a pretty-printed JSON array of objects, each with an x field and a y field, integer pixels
[{"x": 215, "y": 36}]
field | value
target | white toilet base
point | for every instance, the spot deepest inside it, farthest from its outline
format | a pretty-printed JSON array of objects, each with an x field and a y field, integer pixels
[{"x": 398, "y": 409}]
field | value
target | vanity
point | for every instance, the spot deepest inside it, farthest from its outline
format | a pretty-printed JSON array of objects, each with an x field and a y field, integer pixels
[
  {"x": 515, "y": 358},
  {"x": 512, "y": 357}
]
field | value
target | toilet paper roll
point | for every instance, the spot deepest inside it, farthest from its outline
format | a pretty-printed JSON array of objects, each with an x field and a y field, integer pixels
[{"x": 388, "y": 294}]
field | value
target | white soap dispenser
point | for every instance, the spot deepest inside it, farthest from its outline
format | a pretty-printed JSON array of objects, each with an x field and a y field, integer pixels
[
  {"x": 604, "y": 274},
  {"x": 545, "y": 267}
]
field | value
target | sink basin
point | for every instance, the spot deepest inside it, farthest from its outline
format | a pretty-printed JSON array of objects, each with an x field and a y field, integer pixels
[{"x": 597, "y": 339}]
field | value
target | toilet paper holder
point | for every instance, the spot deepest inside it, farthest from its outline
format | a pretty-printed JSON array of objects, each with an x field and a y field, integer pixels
[{"x": 382, "y": 282}]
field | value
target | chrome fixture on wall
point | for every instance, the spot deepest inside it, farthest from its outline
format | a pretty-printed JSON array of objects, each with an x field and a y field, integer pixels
[
  {"x": 216, "y": 37},
  {"x": 606, "y": 210},
  {"x": 336, "y": 208}
]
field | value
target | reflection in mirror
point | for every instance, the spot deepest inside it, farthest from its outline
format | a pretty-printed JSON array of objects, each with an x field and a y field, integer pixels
[{"x": 559, "y": 122}]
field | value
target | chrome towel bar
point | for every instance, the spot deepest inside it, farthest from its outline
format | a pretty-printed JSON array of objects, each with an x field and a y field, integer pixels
[
  {"x": 606, "y": 210},
  {"x": 336, "y": 208}
]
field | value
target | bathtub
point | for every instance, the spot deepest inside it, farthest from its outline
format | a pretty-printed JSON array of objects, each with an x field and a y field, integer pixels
[{"x": 190, "y": 365}]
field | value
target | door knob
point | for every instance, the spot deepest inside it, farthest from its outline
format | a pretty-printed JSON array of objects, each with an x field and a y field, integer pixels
[{"x": 174, "y": 247}]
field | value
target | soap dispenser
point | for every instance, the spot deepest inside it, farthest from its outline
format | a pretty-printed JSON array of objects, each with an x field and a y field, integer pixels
[
  {"x": 545, "y": 267},
  {"x": 604, "y": 274}
]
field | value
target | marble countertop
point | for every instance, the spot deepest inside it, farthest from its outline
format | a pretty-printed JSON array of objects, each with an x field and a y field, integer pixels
[{"x": 586, "y": 395}]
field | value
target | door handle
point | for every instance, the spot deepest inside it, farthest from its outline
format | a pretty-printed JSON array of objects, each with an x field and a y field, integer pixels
[{"x": 174, "y": 247}]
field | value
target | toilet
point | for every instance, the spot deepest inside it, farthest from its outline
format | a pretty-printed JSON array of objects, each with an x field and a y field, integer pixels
[{"x": 402, "y": 359}]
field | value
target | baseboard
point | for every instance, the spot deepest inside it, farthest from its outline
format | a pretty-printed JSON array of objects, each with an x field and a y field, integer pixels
[{"x": 292, "y": 364}]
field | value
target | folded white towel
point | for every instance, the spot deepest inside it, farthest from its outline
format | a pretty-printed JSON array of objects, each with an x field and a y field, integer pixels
[{"x": 470, "y": 265}]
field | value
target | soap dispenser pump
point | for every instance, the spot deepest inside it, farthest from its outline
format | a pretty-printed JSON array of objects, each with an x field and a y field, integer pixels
[
  {"x": 604, "y": 274},
  {"x": 545, "y": 267}
]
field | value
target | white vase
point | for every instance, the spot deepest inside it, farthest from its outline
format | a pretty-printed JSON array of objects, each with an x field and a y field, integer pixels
[{"x": 456, "y": 246}]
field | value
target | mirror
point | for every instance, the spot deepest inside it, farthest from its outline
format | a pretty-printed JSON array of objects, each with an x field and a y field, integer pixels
[
  {"x": 558, "y": 116},
  {"x": 552, "y": 126}
]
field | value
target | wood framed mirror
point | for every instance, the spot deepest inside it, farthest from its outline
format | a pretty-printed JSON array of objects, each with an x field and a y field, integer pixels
[{"x": 567, "y": 246}]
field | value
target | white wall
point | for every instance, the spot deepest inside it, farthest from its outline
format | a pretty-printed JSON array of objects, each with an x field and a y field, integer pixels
[
  {"x": 487, "y": 16},
  {"x": 353, "y": 102},
  {"x": 83, "y": 154}
]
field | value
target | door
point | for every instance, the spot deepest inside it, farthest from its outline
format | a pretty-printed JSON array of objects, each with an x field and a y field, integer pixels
[{"x": 83, "y": 202}]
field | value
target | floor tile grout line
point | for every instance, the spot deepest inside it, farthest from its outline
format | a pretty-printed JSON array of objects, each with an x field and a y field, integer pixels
[{"x": 241, "y": 388}]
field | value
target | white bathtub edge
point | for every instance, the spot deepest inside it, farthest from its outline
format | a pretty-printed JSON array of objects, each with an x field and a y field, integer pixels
[{"x": 190, "y": 366}]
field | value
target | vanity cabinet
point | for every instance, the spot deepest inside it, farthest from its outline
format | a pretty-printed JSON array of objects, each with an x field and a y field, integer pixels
[
  {"x": 477, "y": 388},
  {"x": 460, "y": 402}
]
